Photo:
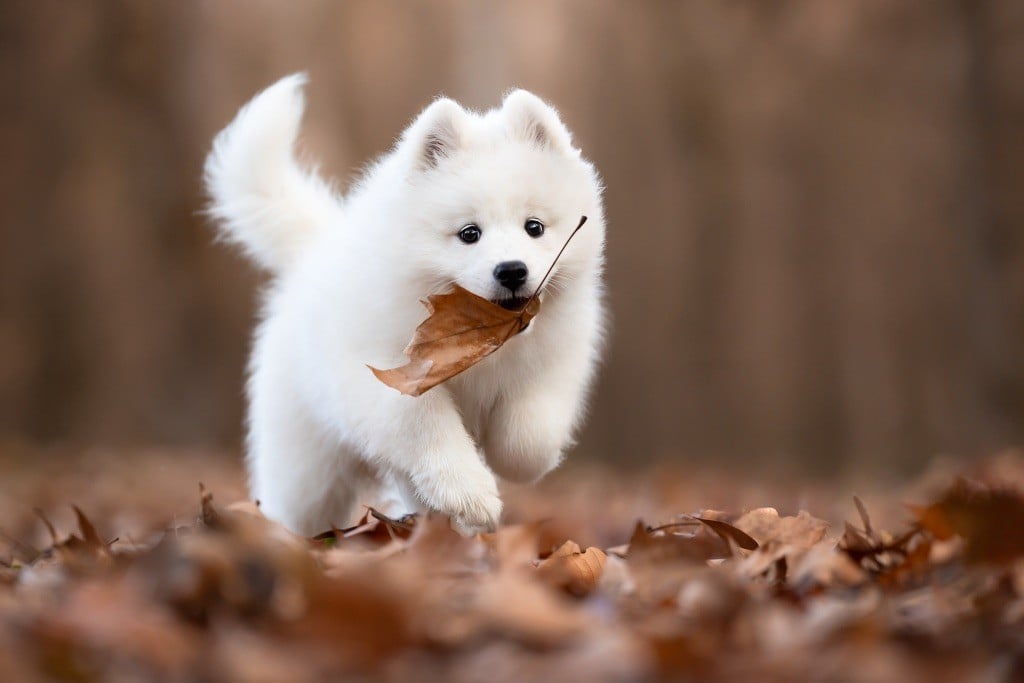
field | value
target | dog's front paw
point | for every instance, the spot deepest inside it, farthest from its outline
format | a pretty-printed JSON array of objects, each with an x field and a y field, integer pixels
[
  {"x": 478, "y": 515},
  {"x": 469, "y": 497}
]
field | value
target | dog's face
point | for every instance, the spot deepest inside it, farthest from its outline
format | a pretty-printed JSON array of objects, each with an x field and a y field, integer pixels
[{"x": 500, "y": 193}]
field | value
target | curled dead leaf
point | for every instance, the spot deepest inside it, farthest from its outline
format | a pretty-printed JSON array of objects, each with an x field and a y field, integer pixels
[
  {"x": 573, "y": 569},
  {"x": 461, "y": 330},
  {"x": 85, "y": 550},
  {"x": 374, "y": 529},
  {"x": 728, "y": 532},
  {"x": 890, "y": 560},
  {"x": 89, "y": 535}
]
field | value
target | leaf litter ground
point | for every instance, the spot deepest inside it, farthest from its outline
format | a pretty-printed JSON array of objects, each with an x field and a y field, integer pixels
[{"x": 126, "y": 571}]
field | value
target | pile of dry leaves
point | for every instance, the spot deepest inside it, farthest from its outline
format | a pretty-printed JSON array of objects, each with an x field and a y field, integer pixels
[{"x": 709, "y": 596}]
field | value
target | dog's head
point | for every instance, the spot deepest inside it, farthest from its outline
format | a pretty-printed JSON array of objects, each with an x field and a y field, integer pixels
[{"x": 496, "y": 196}]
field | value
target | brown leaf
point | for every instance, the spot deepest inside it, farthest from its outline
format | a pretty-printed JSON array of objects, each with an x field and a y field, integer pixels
[
  {"x": 891, "y": 560},
  {"x": 508, "y": 605},
  {"x": 363, "y": 617},
  {"x": 990, "y": 520},
  {"x": 765, "y": 525},
  {"x": 863, "y": 512},
  {"x": 207, "y": 512},
  {"x": 245, "y": 566},
  {"x": 655, "y": 546},
  {"x": 824, "y": 565},
  {"x": 84, "y": 552},
  {"x": 780, "y": 539},
  {"x": 573, "y": 569},
  {"x": 515, "y": 546},
  {"x": 374, "y": 528},
  {"x": 113, "y": 616},
  {"x": 89, "y": 535},
  {"x": 461, "y": 330},
  {"x": 729, "y": 533}
]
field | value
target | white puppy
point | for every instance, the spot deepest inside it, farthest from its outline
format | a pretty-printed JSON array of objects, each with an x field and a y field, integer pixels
[{"x": 482, "y": 200}]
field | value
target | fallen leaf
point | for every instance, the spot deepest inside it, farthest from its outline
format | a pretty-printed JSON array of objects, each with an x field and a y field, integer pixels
[
  {"x": 115, "y": 616},
  {"x": 765, "y": 525},
  {"x": 781, "y": 539},
  {"x": 572, "y": 569},
  {"x": 374, "y": 529},
  {"x": 510, "y": 606},
  {"x": 207, "y": 512},
  {"x": 660, "y": 560},
  {"x": 728, "y": 532},
  {"x": 461, "y": 330},
  {"x": 89, "y": 535},
  {"x": 363, "y": 617},
  {"x": 711, "y": 597},
  {"x": 891, "y": 560},
  {"x": 824, "y": 566},
  {"x": 656, "y": 545},
  {"x": 82, "y": 552},
  {"x": 989, "y": 519},
  {"x": 863, "y": 512},
  {"x": 515, "y": 546}
]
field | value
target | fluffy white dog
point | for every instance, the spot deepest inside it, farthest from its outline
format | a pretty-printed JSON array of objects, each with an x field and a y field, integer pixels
[{"x": 482, "y": 200}]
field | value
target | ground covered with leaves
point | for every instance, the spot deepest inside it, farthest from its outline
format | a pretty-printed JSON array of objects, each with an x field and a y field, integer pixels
[{"x": 115, "y": 566}]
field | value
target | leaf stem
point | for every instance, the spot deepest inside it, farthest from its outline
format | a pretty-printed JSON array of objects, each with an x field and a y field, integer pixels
[{"x": 583, "y": 219}]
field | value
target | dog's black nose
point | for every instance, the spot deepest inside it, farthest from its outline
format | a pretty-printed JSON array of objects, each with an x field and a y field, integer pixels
[{"x": 511, "y": 274}]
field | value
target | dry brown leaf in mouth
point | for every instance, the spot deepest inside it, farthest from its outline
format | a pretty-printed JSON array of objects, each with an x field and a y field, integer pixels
[{"x": 461, "y": 330}]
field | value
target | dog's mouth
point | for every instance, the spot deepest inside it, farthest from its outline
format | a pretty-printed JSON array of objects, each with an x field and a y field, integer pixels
[{"x": 515, "y": 303}]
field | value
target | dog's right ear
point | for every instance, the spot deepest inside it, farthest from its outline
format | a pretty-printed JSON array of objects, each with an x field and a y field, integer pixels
[
  {"x": 534, "y": 121},
  {"x": 436, "y": 133}
]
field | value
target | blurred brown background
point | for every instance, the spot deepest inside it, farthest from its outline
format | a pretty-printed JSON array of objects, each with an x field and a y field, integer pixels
[{"x": 816, "y": 245}]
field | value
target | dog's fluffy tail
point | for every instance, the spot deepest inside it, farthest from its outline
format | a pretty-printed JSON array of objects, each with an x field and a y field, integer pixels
[{"x": 262, "y": 199}]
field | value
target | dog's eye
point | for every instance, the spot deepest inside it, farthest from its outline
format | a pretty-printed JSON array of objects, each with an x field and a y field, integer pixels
[
  {"x": 469, "y": 234},
  {"x": 534, "y": 228}
]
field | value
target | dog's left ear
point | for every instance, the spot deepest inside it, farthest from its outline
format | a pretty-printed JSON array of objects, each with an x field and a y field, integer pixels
[
  {"x": 436, "y": 134},
  {"x": 531, "y": 120}
]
